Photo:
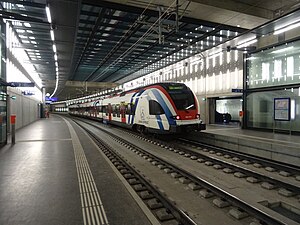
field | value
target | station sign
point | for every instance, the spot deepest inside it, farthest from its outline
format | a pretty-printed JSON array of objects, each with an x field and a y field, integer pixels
[
  {"x": 237, "y": 90},
  {"x": 53, "y": 99},
  {"x": 27, "y": 93},
  {"x": 21, "y": 84}
]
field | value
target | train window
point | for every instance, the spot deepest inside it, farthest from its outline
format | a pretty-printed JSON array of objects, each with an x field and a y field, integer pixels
[
  {"x": 183, "y": 99},
  {"x": 118, "y": 110},
  {"x": 128, "y": 109},
  {"x": 132, "y": 111},
  {"x": 104, "y": 109},
  {"x": 155, "y": 108},
  {"x": 114, "y": 112}
]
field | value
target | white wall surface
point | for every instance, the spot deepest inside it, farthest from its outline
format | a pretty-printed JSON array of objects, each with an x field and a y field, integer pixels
[{"x": 24, "y": 107}]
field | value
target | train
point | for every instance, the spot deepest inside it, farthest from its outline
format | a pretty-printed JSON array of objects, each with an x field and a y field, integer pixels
[{"x": 161, "y": 108}]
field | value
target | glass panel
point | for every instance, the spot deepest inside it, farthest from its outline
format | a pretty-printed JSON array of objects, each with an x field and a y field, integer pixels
[
  {"x": 260, "y": 110},
  {"x": 3, "y": 107},
  {"x": 155, "y": 108},
  {"x": 182, "y": 96},
  {"x": 231, "y": 106},
  {"x": 275, "y": 66}
]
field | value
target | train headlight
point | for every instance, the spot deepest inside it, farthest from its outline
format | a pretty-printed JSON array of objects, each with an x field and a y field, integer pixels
[
  {"x": 176, "y": 117},
  {"x": 197, "y": 116}
]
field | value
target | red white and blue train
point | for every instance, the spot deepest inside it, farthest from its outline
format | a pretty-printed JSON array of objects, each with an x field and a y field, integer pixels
[{"x": 158, "y": 108}]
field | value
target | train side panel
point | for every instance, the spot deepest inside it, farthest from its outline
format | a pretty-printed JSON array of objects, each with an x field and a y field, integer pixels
[{"x": 158, "y": 108}]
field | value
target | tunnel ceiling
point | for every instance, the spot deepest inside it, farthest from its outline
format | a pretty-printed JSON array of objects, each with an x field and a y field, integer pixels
[{"x": 106, "y": 41}]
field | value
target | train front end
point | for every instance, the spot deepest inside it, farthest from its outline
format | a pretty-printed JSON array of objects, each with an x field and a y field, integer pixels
[{"x": 186, "y": 114}]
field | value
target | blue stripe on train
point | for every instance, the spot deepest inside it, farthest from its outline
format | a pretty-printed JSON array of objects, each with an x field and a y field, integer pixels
[
  {"x": 135, "y": 104},
  {"x": 158, "y": 119},
  {"x": 129, "y": 116}
]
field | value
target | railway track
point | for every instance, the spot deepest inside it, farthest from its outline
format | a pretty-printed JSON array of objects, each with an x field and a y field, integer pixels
[
  {"x": 238, "y": 208},
  {"x": 283, "y": 169},
  {"x": 165, "y": 211},
  {"x": 240, "y": 166}
]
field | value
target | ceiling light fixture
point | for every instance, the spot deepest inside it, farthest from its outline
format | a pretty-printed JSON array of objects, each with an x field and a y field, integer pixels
[
  {"x": 282, "y": 50},
  {"x": 54, "y": 48},
  {"x": 286, "y": 28},
  {"x": 247, "y": 42},
  {"x": 48, "y": 14},
  {"x": 52, "y": 35}
]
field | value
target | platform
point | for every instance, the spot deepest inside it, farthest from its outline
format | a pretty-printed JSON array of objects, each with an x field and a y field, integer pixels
[
  {"x": 279, "y": 147},
  {"x": 54, "y": 174}
]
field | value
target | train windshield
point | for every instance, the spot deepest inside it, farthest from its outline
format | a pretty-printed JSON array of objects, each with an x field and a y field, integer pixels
[{"x": 182, "y": 97}]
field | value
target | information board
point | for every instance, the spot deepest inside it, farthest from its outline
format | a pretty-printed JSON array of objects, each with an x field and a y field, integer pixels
[{"x": 282, "y": 109}]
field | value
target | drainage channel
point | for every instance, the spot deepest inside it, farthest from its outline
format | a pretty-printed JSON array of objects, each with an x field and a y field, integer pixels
[{"x": 161, "y": 207}]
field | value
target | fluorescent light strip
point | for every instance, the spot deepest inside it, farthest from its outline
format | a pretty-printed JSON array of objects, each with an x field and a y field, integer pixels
[
  {"x": 246, "y": 40},
  {"x": 48, "y": 14},
  {"x": 55, "y": 57},
  {"x": 290, "y": 27},
  {"x": 282, "y": 50},
  {"x": 52, "y": 35},
  {"x": 54, "y": 48},
  {"x": 247, "y": 43}
]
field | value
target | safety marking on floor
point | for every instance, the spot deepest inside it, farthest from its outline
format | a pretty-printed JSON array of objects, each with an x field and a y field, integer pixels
[
  {"x": 152, "y": 219},
  {"x": 92, "y": 207}
]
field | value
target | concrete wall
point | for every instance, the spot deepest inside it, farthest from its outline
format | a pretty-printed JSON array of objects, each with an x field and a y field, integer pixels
[
  {"x": 281, "y": 152},
  {"x": 25, "y": 108}
]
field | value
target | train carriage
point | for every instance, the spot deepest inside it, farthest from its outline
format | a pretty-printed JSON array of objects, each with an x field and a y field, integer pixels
[{"x": 158, "y": 108}]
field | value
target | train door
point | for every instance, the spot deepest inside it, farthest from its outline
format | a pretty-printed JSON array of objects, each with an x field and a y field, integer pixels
[
  {"x": 155, "y": 115},
  {"x": 123, "y": 111},
  {"x": 109, "y": 112},
  {"x": 94, "y": 111}
]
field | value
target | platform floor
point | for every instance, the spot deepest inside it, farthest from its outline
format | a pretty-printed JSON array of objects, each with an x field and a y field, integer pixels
[
  {"x": 284, "y": 148},
  {"x": 54, "y": 174}
]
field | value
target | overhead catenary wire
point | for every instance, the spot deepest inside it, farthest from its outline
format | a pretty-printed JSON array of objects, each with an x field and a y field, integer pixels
[
  {"x": 145, "y": 35},
  {"x": 129, "y": 50},
  {"x": 121, "y": 39}
]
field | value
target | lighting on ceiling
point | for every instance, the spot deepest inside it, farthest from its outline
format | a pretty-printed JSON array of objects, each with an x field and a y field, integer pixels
[
  {"x": 286, "y": 28},
  {"x": 55, "y": 57},
  {"x": 282, "y": 50},
  {"x": 54, "y": 48},
  {"x": 247, "y": 42},
  {"x": 27, "y": 24},
  {"x": 52, "y": 35},
  {"x": 48, "y": 14}
]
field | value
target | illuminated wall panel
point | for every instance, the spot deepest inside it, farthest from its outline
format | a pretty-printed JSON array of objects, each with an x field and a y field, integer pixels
[
  {"x": 216, "y": 74},
  {"x": 275, "y": 66}
]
